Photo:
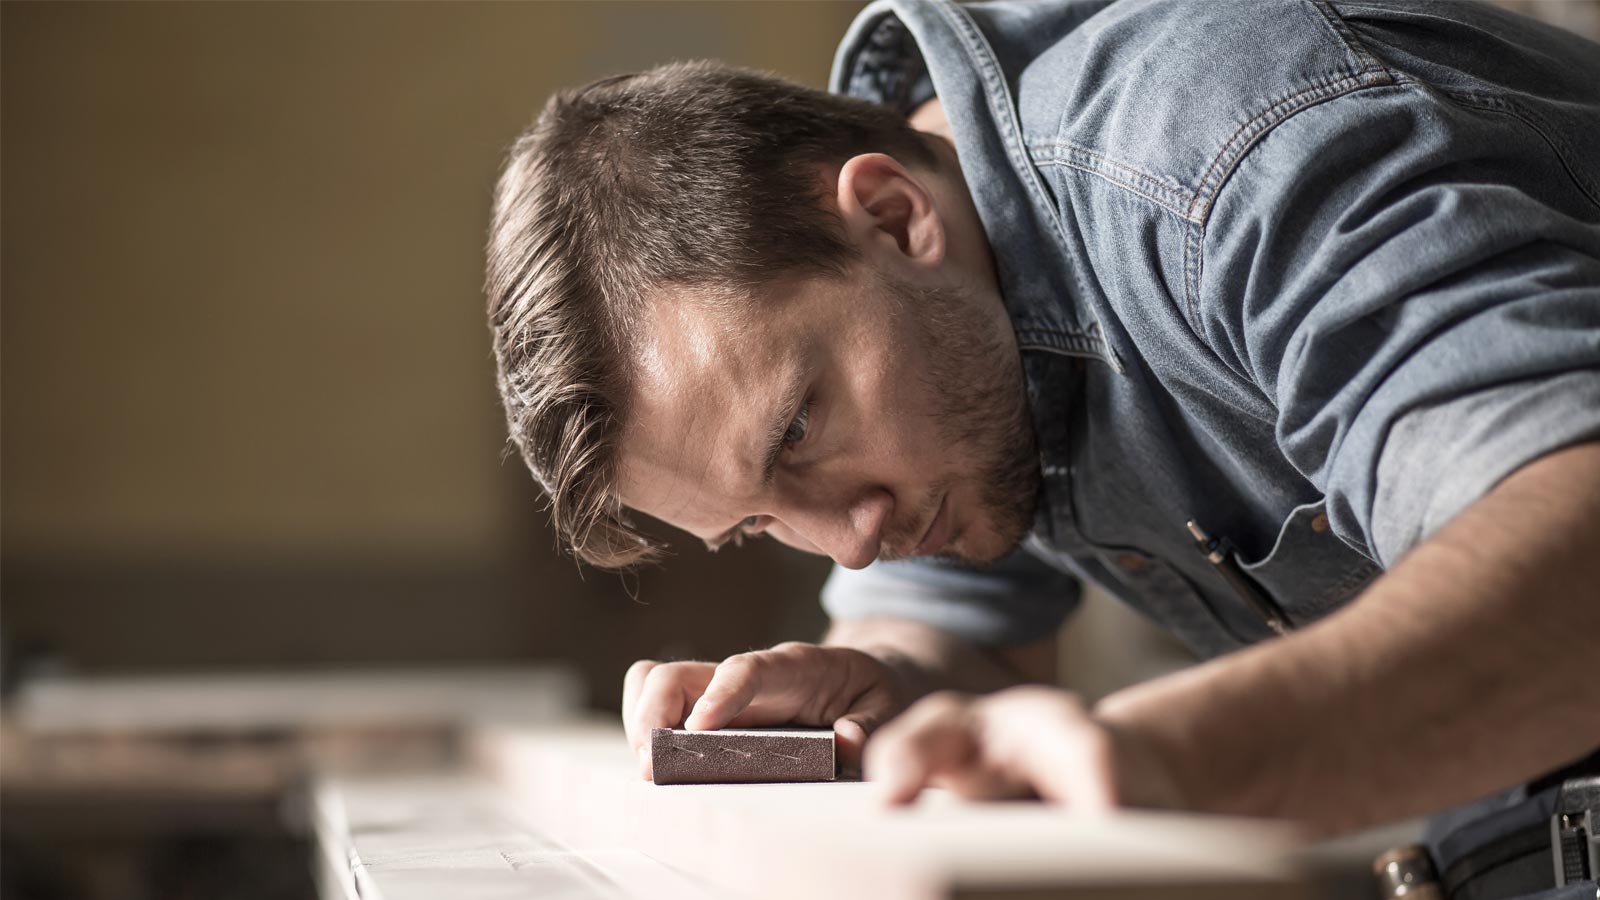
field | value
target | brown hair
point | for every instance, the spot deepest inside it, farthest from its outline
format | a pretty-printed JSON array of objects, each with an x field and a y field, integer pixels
[{"x": 691, "y": 175}]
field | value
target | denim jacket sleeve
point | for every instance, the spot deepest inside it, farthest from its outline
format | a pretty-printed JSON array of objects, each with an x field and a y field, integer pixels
[
  {"x": 1019, "y": 599},
  {"x": 1411, "y": 275}
]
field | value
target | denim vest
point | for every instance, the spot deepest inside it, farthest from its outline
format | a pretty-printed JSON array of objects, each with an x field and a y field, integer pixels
[{"x": 1312, "y": 275}]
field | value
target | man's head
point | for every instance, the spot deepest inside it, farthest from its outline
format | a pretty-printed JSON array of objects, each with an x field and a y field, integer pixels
[{"x": 740, "y": 306}]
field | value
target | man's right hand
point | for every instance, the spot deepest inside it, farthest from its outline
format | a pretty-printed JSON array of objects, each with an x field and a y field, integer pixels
[{"x": 793, "y": 683}]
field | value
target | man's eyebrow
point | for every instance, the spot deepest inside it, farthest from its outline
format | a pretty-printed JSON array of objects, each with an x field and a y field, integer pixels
[{"x": 772, "y": 446}]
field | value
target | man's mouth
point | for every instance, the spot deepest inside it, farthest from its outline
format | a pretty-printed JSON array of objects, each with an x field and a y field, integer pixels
[{"x": 938, "y": 532}]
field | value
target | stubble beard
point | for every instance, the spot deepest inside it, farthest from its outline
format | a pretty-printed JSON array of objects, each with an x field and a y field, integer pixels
[{"x": 980, "y": 403}]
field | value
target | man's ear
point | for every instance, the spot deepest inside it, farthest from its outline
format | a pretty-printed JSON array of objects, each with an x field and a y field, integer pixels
[{"x": 881, "y": 202}]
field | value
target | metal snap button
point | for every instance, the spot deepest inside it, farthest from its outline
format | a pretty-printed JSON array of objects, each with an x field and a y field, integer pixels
[{"x": 1319, "y": 524}]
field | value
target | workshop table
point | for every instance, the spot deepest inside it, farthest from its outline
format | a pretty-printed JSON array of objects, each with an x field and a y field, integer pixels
[{"x": 562, "y": 812}]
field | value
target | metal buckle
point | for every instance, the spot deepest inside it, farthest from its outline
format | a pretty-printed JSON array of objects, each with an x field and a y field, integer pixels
[{"x": 1575, "y": 831}]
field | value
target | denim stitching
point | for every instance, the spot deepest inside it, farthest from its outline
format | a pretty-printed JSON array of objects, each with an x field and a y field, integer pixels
[
  {"x": 1066, "y": 164},
  {"x": 1364, "y": 61},
  {"x": 997, "y": 96},
  {"x": 1250, "y": 131},
  {"x": 1067, "y": 149},
  {"x": 1164, "y": 183},
  {"x": 1061, "y": 342},
  {"x": 1237, "y": 147},
  {"x": 1084, "y": 160},
  {"x": 1335, "y": 83}
]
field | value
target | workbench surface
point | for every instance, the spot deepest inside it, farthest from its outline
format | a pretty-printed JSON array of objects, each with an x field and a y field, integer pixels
[{"x": 562, "y": 812}]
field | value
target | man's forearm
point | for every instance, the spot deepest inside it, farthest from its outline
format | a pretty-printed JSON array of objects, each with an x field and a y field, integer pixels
[
  {"x": 1465, "y": 669},
  {"x": 927, "y": 659}
]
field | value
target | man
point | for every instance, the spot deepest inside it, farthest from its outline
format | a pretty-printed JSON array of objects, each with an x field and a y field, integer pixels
[{"x": 1269, "y": 318}]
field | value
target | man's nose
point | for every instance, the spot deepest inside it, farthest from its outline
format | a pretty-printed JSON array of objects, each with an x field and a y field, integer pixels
[{"x": 851, "y": 539}]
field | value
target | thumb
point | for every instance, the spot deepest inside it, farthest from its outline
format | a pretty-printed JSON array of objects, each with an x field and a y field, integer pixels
[{"x": 850, "y": 737}]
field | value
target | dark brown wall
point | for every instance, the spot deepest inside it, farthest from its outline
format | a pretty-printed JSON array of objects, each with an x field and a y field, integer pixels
[{"x": 248, "y": 413}]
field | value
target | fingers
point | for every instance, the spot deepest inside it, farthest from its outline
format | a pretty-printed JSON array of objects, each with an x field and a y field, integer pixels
[
  {"x": 1087, "y": 784},
  {"x": 736, "y": 681},
  {"x": 874, "y": 707},
  {"x": 849, "y": 739},
  {"x": 791, "y": 683},
  {"x": 1010, "y": 744},
  {"x": 632, "y": 687},
  {"x": 1067, "y": 755},
  {"x": 936, "y": 737},
  {"x": 665, "y": 693}
]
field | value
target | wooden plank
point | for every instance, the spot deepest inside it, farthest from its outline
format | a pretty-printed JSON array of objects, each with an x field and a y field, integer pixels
[
  {"x": 802, "y": 841},
  {"x": 457, "y": 836}
]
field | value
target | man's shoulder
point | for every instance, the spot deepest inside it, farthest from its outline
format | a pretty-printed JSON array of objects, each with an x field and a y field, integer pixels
[
  {"x": 1160, "y": 89},
  {"x": 1160, "y": 94}
]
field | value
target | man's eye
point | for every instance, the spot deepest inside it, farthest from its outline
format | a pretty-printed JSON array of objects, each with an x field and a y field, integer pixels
[
  {"x": 797, "y": 426},
  {"x": 749, "y": 522}
]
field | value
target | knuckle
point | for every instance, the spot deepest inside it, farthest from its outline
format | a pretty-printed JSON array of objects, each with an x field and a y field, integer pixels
[
  {"x": 935, "y": 734},
  {"x": 798, "y": 651},
  {"x": 1031, "y": 693},
  {"x": 790, "y": 655},
  {"x": 943, "y": 702},
  {"x": 663, "y": 675},
  {"x": 740, "y": 665},
  {"x": 1093, "y": 743},
  {"x": 1040, "y": 699}
]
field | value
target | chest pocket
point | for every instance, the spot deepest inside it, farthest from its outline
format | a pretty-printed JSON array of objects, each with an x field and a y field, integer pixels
[
  {"x": 1310, "y": 571},
  {"x": 1163, "y": 594}
]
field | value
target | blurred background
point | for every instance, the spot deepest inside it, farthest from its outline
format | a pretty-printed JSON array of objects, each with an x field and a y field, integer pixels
[
  {"x": 249, "y": 411},
  {"x": 250, "y": 437},
  {"x": 249, "y": 418}
]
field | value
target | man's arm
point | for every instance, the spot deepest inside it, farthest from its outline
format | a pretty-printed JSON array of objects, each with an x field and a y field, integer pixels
[
  {"x": 1467, "y": 668},
  {"x": 928, "y": 659},
  {"x": 1413, "y": 287},
  {"x": 1416, "y": 290}
]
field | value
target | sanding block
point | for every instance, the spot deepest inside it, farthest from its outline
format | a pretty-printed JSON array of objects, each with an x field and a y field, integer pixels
[{"x": 741, "y": 755}]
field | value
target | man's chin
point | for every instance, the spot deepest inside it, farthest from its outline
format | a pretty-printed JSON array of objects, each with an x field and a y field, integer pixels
[{"x": 983, "y": 546}]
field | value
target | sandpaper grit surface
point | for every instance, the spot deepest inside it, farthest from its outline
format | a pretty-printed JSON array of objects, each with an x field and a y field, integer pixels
[{"x": 741, "y": 755}]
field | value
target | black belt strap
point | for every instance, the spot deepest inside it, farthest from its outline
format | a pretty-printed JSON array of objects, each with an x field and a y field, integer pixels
[
  {"x": 1520, "y": 860},
  {"x": 1523, "y": 861}
]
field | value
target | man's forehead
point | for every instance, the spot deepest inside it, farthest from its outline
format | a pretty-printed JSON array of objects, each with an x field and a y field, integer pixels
[
  {"x": 680, "y": 338},
  {"x": 704, "y": 379}
]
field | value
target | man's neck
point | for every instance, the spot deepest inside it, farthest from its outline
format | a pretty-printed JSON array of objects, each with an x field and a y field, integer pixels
[
  {"x": 929, "y": 119},
  {"x": 969, "y": 243}
]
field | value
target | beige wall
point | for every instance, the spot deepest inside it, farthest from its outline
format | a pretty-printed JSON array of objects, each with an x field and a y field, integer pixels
[{"x": 248, "y": 413}]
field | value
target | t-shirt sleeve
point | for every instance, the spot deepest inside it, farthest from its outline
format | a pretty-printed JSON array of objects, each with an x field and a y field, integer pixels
[
  {"x": 1014, "y": 601},
  {"x": 1414, "y": 286}
]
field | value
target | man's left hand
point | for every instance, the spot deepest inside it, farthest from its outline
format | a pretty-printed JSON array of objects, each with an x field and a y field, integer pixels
[{"x": 1023, "y": 742}]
